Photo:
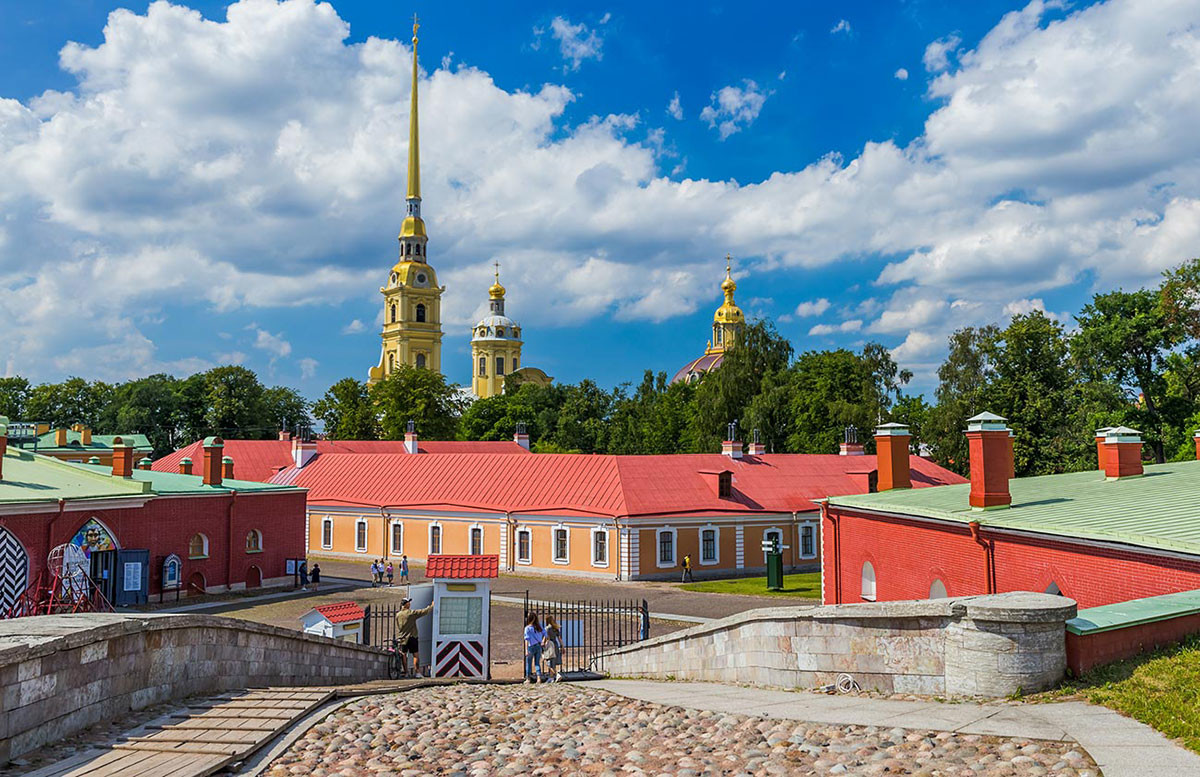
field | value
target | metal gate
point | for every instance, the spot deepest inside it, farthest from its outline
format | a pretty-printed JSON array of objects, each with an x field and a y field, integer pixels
[{"x": 590, "y": 628}]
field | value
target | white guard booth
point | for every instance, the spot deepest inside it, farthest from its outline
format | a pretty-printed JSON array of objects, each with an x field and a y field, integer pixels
[
  {"x": 340, "y": 620},
  {"x": 422, "y": 596},
  {"x": 462, "y": 597}
]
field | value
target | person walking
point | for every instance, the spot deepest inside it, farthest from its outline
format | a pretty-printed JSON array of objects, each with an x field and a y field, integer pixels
[
  {"x": 316, "y": 577},
  {"x": 303, "y": 572},
  {"x": 404, "y": 570},
  {"x": 534, "y": 634},
  {"x": 374, "y": 573},
  {"x": 389, "y": 574},
  {"x": 687, "y": 569},
  {"x": 406, "y": 632},
  {"x": 552, "y": 649}
]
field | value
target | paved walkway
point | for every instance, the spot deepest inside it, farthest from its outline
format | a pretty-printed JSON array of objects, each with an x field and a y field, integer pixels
[{"x": 1121, "y": 747}]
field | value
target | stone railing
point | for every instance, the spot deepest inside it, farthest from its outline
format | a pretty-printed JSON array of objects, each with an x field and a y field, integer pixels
[
  {"x": 993, "y": 645},
  {"x": 62, "y": 673}
]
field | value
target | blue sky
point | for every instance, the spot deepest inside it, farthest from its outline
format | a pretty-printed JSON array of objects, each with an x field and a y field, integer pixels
[{"x": 184, "y": 190}]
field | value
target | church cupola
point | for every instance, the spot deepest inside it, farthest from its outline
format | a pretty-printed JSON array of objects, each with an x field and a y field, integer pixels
[
  {"x": 729, "y": 319},
  {"x": 495, "y": 345}
]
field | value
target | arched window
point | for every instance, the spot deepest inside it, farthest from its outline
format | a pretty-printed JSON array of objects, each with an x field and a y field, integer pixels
[
  {"x": 421, "y": 313},
  {"x": 391, "y": 362},
  {"x": 418, "y": 249},
  {"x": 198, "y": 546},
  {"x": 868, "y": 582},
  {"x": 483, "y": 366},
  {"x": 499, "y": 331},
  {"x": 1054, "y": 589},
  {"x": 937, "y": 590},
  {"x": 421, "y": 360},
  {"x": 499, "y": 365},
  {"x": 393, "y": 313},
  {"x": 408, "y": 249},
  {"x": 254, "y": 541}
]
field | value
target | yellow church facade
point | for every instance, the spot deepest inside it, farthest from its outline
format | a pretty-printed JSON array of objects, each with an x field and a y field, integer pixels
[
  {"x": 495, "y": 346},
  {"x": 412, "y": 298}
]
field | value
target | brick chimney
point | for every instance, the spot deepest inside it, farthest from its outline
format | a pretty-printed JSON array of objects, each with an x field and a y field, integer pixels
[
  {"x": 60, "y": 437},
  {"x": 850, "y": 445},
  {"x": 731, "y": 446},
  {"x": 85, "y": 435},
  {"x": 1122, "y": 453},
  {"x": 285, "y": 435},
  {"x": 227, "y": 467},
  {"x": 303, "y": 451},
  {"x": 1100, "y": 446},
  {"x": 1196, "y": 437},
  {"x": 891, "y": 456},
  {"x": 213, "y": 446},
  {"x": 1012, "y": 459},
  {"x": 4, "y": 443},
  {"x": 122, "y": 458},
  {"x": 185, "y": 466},
  {"x": 144, "y": 463},
  {"x": 521, "y": 437},
  {"x": 989, "y": 443},
  {"x": 410, "y": 437},
  {"x": 756, "y": 446}
]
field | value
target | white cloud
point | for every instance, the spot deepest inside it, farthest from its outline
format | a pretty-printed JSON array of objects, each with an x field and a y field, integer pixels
[
  {"x": 853, "y": 325},
  {"x": 273, "y": 344},
  {"x": 674, "y": 108},
  {"x": 308, "y": 367},
  {"x": 228, "y": 168},
  {"x": 901, "y": 74},
  {"x": 937, "y": 54},
  {"x": 354, "y": 327},
  {"x": 842, "y": 26},
  {"x": 733, "y": 108},
  {"x": 814, "y": 307},
  {"x": 575, "y": 41}
]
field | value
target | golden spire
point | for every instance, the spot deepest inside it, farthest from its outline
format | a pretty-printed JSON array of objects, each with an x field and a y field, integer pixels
[
  {"x": 496, "y": 291},
  {"x": 728, "y": 313},
  {"x": 414, "y": 157},
  {"x": 728, "y": 285}
]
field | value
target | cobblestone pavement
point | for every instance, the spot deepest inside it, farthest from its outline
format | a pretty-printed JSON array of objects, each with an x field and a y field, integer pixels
[{"x": 572, "y": 729}]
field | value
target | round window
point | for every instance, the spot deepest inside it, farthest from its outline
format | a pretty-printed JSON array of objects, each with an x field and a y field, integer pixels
[
  {"x": 421, "y": 278},
  {"x": 499, "y": 331}
]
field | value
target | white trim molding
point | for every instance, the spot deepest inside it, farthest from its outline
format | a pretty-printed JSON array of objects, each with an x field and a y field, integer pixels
[
  {"x": 326, "y": 521},
  {"x": 814, "y": 528},
  {"x": 554, "y": 530},
  {"x": 658, "y": 562},
  {"x": 739, "y": 544},
  {"x": 471, "y": 539},
  {"x": 366, "y": 535},
  {"x": 716, "y": 530},
  {"x": 529, "y": 533},
  {"x": 429, "y": 551},
  {"x": 607, "y": 546},
  {"x": 392, "y": 524}
]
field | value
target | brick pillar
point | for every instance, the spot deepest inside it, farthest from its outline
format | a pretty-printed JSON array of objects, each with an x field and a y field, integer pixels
[
  {"x": 1012, "y": 460},
  {"x": 1100, "y": 446},
  {"x": 213, "y": 446},
  {"x": 122, "y": 459},
  {"x": 989, "y": 444},
  {"x": 1122, "y": 453},
  {"x": 892, "y": 442},
  {"x": 185, "y": 466},
  {"x": 227, "y": 468},
  {"x": 1196, "y": 437}
]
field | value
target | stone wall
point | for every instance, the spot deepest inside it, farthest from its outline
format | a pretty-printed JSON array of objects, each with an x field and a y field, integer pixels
[
  {"x": 976, "y": 646},
  {"x": 62, "y": 673}
]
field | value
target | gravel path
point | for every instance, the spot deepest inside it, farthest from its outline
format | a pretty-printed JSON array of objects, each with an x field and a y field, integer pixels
[{"x": 572, "y": 729}]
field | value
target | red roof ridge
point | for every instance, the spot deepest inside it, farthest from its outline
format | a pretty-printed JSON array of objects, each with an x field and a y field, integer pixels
[{"x": 341, "y": 612}]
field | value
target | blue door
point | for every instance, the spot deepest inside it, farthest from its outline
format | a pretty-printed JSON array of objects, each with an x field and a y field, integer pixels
[{"x": 132, "y": 578}]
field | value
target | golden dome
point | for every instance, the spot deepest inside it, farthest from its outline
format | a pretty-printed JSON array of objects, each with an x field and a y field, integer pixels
[
  {"x": 496, "y": 291},
  {"x": 729, "y": 312},
  {"x": 412, "y": 227}
]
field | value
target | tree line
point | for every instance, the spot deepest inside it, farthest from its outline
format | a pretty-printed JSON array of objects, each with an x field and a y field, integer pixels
[{"x": 1127, "y": 358}]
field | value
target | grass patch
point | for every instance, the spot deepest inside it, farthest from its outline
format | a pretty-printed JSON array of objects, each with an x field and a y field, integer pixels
[
  {"x": 1160, "y": 689},
  {"x": 806, "y": 585}
]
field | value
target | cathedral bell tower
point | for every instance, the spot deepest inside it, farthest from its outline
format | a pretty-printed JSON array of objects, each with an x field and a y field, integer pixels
[
  {"x": 412, "y": 299},
  {"x": 495, "y": 346}
]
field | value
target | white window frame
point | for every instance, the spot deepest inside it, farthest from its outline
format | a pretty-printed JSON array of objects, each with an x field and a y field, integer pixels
[
  {"x": 366, "y": 535},
  {"x": 471, "y": 540},
  {"x": 607, "y": 544},
  {"x": 326, "y": 521},
  {"x": 528, "y": 532},
  {"x": 554, "y": 543},
  {"x": 716, "y": 530},
  {"x": 392, "y": 524},
  {"x": 812, "y": 527},
  {"x": 674, "y": 562},
  {"x": 871, "y": 594},
  {"x": 441, "y": 538},
  {"x": 767, "y": 531}
]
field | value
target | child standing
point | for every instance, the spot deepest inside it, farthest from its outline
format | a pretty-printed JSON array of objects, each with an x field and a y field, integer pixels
[
  {"x": 389, "y": 573},
  {"x": 552, "y": 646},
  {"x": 404, "y": 570}
]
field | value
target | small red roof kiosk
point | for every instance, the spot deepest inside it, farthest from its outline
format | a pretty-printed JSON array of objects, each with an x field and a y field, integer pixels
[{"x": 461, "y": 614}]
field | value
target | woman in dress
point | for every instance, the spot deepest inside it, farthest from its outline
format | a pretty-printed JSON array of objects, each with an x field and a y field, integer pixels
[{"x": 552, "y": 647}]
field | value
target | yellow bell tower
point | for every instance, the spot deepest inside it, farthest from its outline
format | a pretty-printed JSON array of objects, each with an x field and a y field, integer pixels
[
  {"x": 729, "y": 319},
  {"x": 412, "y": 299},
  {"x": 495, "y": 346}
]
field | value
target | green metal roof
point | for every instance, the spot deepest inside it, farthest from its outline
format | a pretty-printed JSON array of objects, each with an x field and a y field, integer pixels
[
  {"x": 29, "y": 477},
  {"x": 1135, "y": 612},
  {"x": 1160, "y": 509},
  {"x": 100, "y": 442},
  {"x": 176, "y": 483}
]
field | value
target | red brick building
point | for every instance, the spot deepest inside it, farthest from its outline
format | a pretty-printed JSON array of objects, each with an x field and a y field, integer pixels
[
  {"x": 1100, "y": 537},
  {"x": 122, "y": 525}
]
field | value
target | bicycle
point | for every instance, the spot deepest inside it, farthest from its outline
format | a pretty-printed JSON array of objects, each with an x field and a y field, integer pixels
[{"x": 396, "y": 659}]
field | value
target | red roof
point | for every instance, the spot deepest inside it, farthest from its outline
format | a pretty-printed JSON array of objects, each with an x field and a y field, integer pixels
[
  {"x": 603, "y": 486},
  {"x": 341, "y": 612},
  {"x": 260, "y": 460},
  {"x": 462, "y": 567}
]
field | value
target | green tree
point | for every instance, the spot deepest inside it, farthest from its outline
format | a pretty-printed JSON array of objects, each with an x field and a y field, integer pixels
[
  {"x": 234, "y": 404},
  {"x": 419, "y": 395},
  {"x": 962, "y": 380},
  {"x": 148, "y": 406},
  {"x": 1180, "y": 297},
  {"x": 285, "y": 410},
  {"x": 347, "y": 411},
  {"x": 582, "y": 423},
  {"x": 14, "y": 395},
  {"x": 1125, "y": 338},
  {"x": 657, "y": 419},
  {"x": 913, "y": 411},
  {"x": 75, "y": 400},
  {"x": 833, "y": 390}
]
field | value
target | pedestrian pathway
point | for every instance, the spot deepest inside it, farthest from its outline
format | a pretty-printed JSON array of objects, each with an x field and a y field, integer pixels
[
  {"x": 1121, "y": 747},
  {"x": 250, "y": 601},
  {"x": 658, "y": 616}
]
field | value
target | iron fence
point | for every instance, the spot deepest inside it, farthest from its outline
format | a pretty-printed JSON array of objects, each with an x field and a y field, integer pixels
[{"x": 590, "y": 628}]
